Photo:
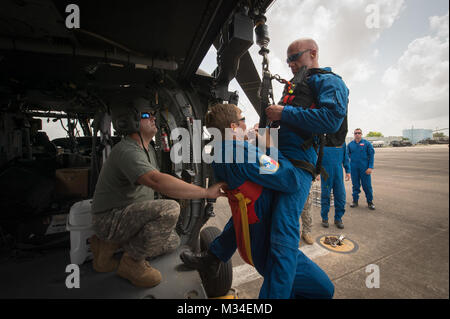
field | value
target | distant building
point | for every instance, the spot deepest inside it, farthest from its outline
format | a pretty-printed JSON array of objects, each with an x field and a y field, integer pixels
[{"x": 417, "y": 134}]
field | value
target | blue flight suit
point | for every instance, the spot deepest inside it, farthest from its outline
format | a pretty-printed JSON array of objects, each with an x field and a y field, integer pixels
[
  {"x": 361, "y": 158},
  {"x": 331, "y": 94},
  {"x": 309, "y": 280},
  {"x": 333, "y": 160}
]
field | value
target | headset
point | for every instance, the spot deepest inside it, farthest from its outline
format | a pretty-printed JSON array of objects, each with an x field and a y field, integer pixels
[{"x": 126, "y": 113}]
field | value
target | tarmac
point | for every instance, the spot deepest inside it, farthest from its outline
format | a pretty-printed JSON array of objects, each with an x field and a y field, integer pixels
[{"x": 401, "y": 250}]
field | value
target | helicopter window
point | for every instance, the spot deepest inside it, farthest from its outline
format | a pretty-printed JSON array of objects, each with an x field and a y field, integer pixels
[
  {"x": 58, "y": 128},
  {"x": 209, "y": 63}
]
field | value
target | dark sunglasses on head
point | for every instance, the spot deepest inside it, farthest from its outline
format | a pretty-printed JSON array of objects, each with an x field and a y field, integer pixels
[
  {"x": 147, "y": 115},
  {"x": 296, "y": 56}
]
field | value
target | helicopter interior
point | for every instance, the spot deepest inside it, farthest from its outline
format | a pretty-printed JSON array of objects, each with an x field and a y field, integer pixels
[{"x": 50, "y": 71}]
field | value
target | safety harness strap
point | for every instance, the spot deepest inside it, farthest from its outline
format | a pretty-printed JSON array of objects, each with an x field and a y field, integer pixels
[
  {"x": 247, "y": 251},
  {"x": 242, "y": 202},
  {"x": 310, "y": 168},
  {"x": 308, "y": 143}
]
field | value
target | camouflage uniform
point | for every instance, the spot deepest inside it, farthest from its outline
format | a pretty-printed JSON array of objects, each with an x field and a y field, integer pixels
[
  {"x": 144, "y": 229},
  {"x": 125, "y": 212},
  {"x": 306, "y": 216}
]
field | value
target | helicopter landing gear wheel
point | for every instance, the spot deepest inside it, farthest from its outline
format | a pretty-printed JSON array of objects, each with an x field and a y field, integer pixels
[{"x": 221, "y": 284}]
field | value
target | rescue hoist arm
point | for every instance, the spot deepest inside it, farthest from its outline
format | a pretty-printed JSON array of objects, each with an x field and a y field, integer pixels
[
  {"x": 235, "y": 38},
  {"x": 266, "y": 90}
]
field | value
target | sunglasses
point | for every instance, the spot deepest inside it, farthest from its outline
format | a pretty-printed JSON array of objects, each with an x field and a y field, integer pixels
[
  {"x": 296, "y": 56},
  {"x": 242, "y": 119},
  {"x": 147, "y": 115},
  {"x": 357, "y": 133}
]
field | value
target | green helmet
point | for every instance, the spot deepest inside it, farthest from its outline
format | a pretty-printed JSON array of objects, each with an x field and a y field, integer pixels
[{"x": 126, "y": 112}]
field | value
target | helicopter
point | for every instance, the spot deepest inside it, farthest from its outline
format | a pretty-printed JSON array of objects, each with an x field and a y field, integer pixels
[{"x": 64, "y": 61}]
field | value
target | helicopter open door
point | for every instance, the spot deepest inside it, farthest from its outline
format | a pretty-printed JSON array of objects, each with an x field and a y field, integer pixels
[{"x": 49, "y": 71}]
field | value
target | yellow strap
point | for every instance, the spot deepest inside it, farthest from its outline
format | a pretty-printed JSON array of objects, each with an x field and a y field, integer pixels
[{"x": 243, "y": 202}]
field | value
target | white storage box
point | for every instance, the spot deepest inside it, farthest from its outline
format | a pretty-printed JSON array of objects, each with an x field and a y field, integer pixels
[{"x": 79, "y": 224}]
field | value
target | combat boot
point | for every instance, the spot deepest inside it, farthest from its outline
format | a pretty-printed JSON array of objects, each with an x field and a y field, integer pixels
[
  {"x": 339, "y": 224},
  {"x": 307, "y": 238},
  {"x": 325, "y": 223},
  {"x": 354, "y": 204},
  {"x": 205, "y": 262},
  {"x": 140, "y": 273},
  {"x": 103, "y": 252},
  {"x": 371, "y": 206}
]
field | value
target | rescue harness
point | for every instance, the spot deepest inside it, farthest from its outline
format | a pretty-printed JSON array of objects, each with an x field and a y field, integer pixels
[
  {"x": 297, "y": 93},
  {"x": 242, "y": 202}
]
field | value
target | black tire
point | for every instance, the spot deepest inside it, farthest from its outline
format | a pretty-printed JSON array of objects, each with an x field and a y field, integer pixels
[{"x": 221, "y": 284}]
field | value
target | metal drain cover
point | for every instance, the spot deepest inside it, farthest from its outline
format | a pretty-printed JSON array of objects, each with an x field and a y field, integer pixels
[{"x": 346, "y": 245}]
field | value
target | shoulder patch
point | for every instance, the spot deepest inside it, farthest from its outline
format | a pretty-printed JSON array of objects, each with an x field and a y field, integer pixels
[{"x": 268, "y": 164}]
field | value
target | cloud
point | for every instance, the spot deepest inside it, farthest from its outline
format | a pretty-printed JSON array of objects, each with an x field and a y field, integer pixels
[
  {"x": 339, "y": 27},
  {"x": 357, "y": 71},
  {"x": 417, "y": 84},
  {"x": 415, "y": 89},
  {"x": 440, "y": 25}
]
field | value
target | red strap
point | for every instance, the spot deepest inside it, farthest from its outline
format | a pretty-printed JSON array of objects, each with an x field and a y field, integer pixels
[
  {"x": 291, "y": 98},
  {"x": 251, "y": 191}
]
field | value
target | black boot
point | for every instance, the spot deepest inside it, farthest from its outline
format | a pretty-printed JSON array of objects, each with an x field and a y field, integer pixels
[
  {"x": 339, "y": 224},
  {"x": 354, "y": 204},
  {"x": 371, "y": 206},
  {"x": 205, "y": 262}
]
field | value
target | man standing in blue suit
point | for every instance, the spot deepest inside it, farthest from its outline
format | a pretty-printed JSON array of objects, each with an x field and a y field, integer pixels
[
  {"x": 361, "y": 154},
  {"x": 314, "y": 102},
  {"x": 333, "y": 160}
]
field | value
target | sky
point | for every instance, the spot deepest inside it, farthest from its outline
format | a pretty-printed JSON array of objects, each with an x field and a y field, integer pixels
[{"x": 395, "y": 64}]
